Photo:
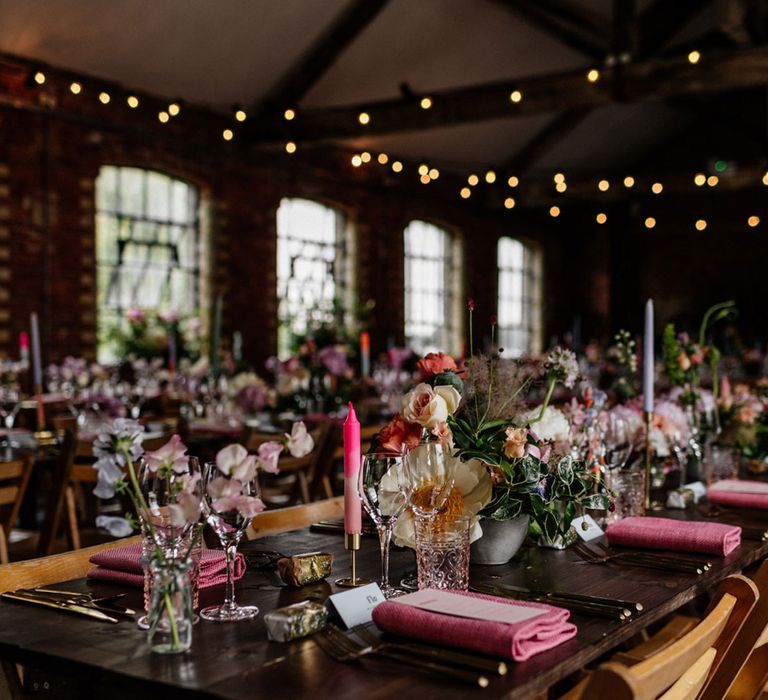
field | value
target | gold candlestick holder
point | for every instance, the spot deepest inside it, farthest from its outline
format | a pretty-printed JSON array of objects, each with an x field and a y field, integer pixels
[
  {"x": 352, "y": 544},
  {"x": 648, "y": 415}
]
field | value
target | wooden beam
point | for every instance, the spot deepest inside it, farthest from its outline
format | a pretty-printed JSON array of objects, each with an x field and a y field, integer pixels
[
  {"x": 546, "y": 139},
  {"x": 662, "y": 20},
  {"x": 641, "y": 82},
  {"x": 313, "y": 65},
  {"x": 572, "y": 26}
]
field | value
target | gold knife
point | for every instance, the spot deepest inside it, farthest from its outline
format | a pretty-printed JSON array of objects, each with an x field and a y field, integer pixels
[{"x": 47, "y": 603}]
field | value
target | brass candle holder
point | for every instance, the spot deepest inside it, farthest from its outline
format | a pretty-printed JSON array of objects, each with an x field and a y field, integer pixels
[
  {"x": 352, "y": 544},
  {"x": 648, "y": 415}
]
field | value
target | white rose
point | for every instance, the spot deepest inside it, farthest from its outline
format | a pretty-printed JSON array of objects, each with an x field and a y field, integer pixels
[
  {"x": 451, "y": 397},
  {"x": 424, "y": 406}
]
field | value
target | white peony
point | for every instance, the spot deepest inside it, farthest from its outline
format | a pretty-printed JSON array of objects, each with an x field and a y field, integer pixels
[{"x": 552, "y": 427}]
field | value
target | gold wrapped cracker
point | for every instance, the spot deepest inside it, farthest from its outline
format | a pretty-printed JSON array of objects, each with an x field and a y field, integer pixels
[
  {"x": 295, "y": 621},
  {"x": 302, "y": 569}
]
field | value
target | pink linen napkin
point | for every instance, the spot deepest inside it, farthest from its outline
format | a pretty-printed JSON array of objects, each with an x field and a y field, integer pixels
[
  {"x": 517, "y": 641},
  {"x": 678, "y": 535},
  {"x": 122, "y": 565},
  {"x": 739, "y": 493}
]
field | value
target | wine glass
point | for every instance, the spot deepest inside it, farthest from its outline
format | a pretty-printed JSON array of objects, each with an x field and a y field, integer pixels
[
  {"x": 427, "y": 478},
  {"x": 231, "y": 500},
  {"x": 384, "y": 501}
]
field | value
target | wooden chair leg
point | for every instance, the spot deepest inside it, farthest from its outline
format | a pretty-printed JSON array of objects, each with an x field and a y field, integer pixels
[
  {"x": 10, "y": 683},
  {"x": 327, "y": 487},
  {"x": 73, "y": 531},
  {"x": 303, "y": 486},
  {"x": 3, "y": 547}
]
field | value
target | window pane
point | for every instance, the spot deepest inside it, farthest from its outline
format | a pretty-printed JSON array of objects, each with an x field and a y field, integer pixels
[
  {"x": 519, "y": 310},
  {"x": 147, "y": 245},
  {"x": 310, "y": 266},
  {"x": 429, "y": 299}
]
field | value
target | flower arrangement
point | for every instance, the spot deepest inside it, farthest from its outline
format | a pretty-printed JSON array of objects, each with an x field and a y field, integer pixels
[
  {"x": 145, "y": 333},
  {"x": 521, "y": 453}
]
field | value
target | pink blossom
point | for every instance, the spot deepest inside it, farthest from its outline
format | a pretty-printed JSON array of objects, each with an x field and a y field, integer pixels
[
  {"x": 172, "y": 457},
  {"x": 135, "y": 315},
  {"x": 227, "y": 495},
  {"x": 235, "y": 462},
  {"x": 299, "y": 442},
  {"x": 168, "y": 316},
  {"x": 269, "y": 454}
]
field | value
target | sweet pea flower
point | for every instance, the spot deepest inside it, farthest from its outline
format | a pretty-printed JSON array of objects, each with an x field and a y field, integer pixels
[
  {"x": 516, "y": 440},
  {"x": 299, "y": 442},
  {"x": 171, "y": 457},
  {"x": 227, "y": 495},
  {"x": 234, "y": 462},
  {"x": 269, "y": 454}
]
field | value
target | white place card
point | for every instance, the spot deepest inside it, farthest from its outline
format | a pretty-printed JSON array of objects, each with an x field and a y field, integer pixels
[
  {"x": 592, "y": 530},
  {"x": 356, "y": 604},
  {"x": 450, "y": 603}
]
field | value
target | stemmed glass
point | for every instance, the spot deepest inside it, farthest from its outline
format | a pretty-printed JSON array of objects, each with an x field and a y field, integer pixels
[
  {"x": 427, "y": 478},
  {"x": 426, "y": 481},
  {"x": 231, "y": 500},
  {"x": 384, "y": 501}
]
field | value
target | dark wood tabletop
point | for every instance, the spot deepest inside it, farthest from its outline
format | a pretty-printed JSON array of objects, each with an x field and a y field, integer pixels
[{"x": 237, "y": 661}]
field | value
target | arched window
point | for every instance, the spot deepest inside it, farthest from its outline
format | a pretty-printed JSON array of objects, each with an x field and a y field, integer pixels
[
  {"x": 432, "y": 288},
  {"x": 313, "y": 257},
  {"x": 519, "y": 301},
  {"x": 148, "y": 246}
]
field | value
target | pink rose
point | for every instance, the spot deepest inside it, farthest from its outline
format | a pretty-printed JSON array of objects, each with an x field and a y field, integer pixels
[
  {"x": 443, "y": 434},
  {"x": 434, "y": 363},
  {"x": 683, "y": 362},
  {"x": 399, "y": 434},
  {"x": 424, "y": 406}
]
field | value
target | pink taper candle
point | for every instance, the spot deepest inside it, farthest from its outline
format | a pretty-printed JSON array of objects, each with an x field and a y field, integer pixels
[{"x": 352, "y": 507}]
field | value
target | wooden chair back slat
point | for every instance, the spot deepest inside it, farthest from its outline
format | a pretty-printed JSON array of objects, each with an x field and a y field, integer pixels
[
  {"x": 735, "y": 657},
  {"x": 646, "y": 680},
  {"x": 8, "y": 495},
  {"x": 52, "y": 569},
  {"x": 11, "y": 470},
  {"x": 273, "y": 522},
  {"x": 692, "y": 681},
  {"x": 56, "y": 499}
]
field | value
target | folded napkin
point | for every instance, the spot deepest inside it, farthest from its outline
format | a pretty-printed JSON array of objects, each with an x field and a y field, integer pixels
[
  {"x": 518, "y": 641},
  {"x": 122, "y": 565},
  {"x": 679, "y": 535},
  {"x": 739, "y": 493}
]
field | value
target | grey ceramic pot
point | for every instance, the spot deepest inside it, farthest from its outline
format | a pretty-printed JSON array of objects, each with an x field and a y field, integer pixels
[{"x": 500, "y": 541}]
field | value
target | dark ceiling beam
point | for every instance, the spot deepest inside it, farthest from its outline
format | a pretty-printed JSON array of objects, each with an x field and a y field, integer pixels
[
  {"x": 651, "y": 80},
  {"x": 573, "y": 26},
  {"x": 662, "y": 20},
  {"x": 545, "y": 140},
  {"x": 322, "y": 55}
]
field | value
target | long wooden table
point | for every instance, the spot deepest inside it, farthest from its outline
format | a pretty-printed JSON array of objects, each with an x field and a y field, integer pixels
[{"x": 237, "y": 661}]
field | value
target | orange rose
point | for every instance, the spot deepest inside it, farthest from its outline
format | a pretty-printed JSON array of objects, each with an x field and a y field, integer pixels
[
  {"x": 399, "y": 434},
  {"x": 435, "y": 362},
  {"x": 443, "y": 434},
  {"x": 683, "y": 362}
]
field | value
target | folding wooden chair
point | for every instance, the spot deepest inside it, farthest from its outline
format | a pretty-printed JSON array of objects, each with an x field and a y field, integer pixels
[
  {"x": 684, "y": 669},
  {"x": 14, "y": 477},
  {"x": 273, "y": 522}
]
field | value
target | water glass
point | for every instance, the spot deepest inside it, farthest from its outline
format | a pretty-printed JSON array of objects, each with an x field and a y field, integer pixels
[
  {"x": 628, "y": 486},
  {"x": 722, "y": 463},
  {"x": 442, "y": 553}
]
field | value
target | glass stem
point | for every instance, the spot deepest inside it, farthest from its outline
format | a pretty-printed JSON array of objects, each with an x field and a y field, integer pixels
[
  {"x": 385, "y": 537},
  {"x": 231, "y": 552}
]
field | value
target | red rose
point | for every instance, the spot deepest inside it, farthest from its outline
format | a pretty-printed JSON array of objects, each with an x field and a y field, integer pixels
[
  {"x": 434, "y": 363},
  {"x": 399, "y": 433}
]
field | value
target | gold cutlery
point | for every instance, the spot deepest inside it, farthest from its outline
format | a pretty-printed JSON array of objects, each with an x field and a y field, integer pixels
[{"x": 24, "y": 597}]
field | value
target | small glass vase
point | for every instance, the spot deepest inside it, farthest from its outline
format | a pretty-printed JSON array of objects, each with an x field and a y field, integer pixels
[{"x": 170, "y": 614}]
